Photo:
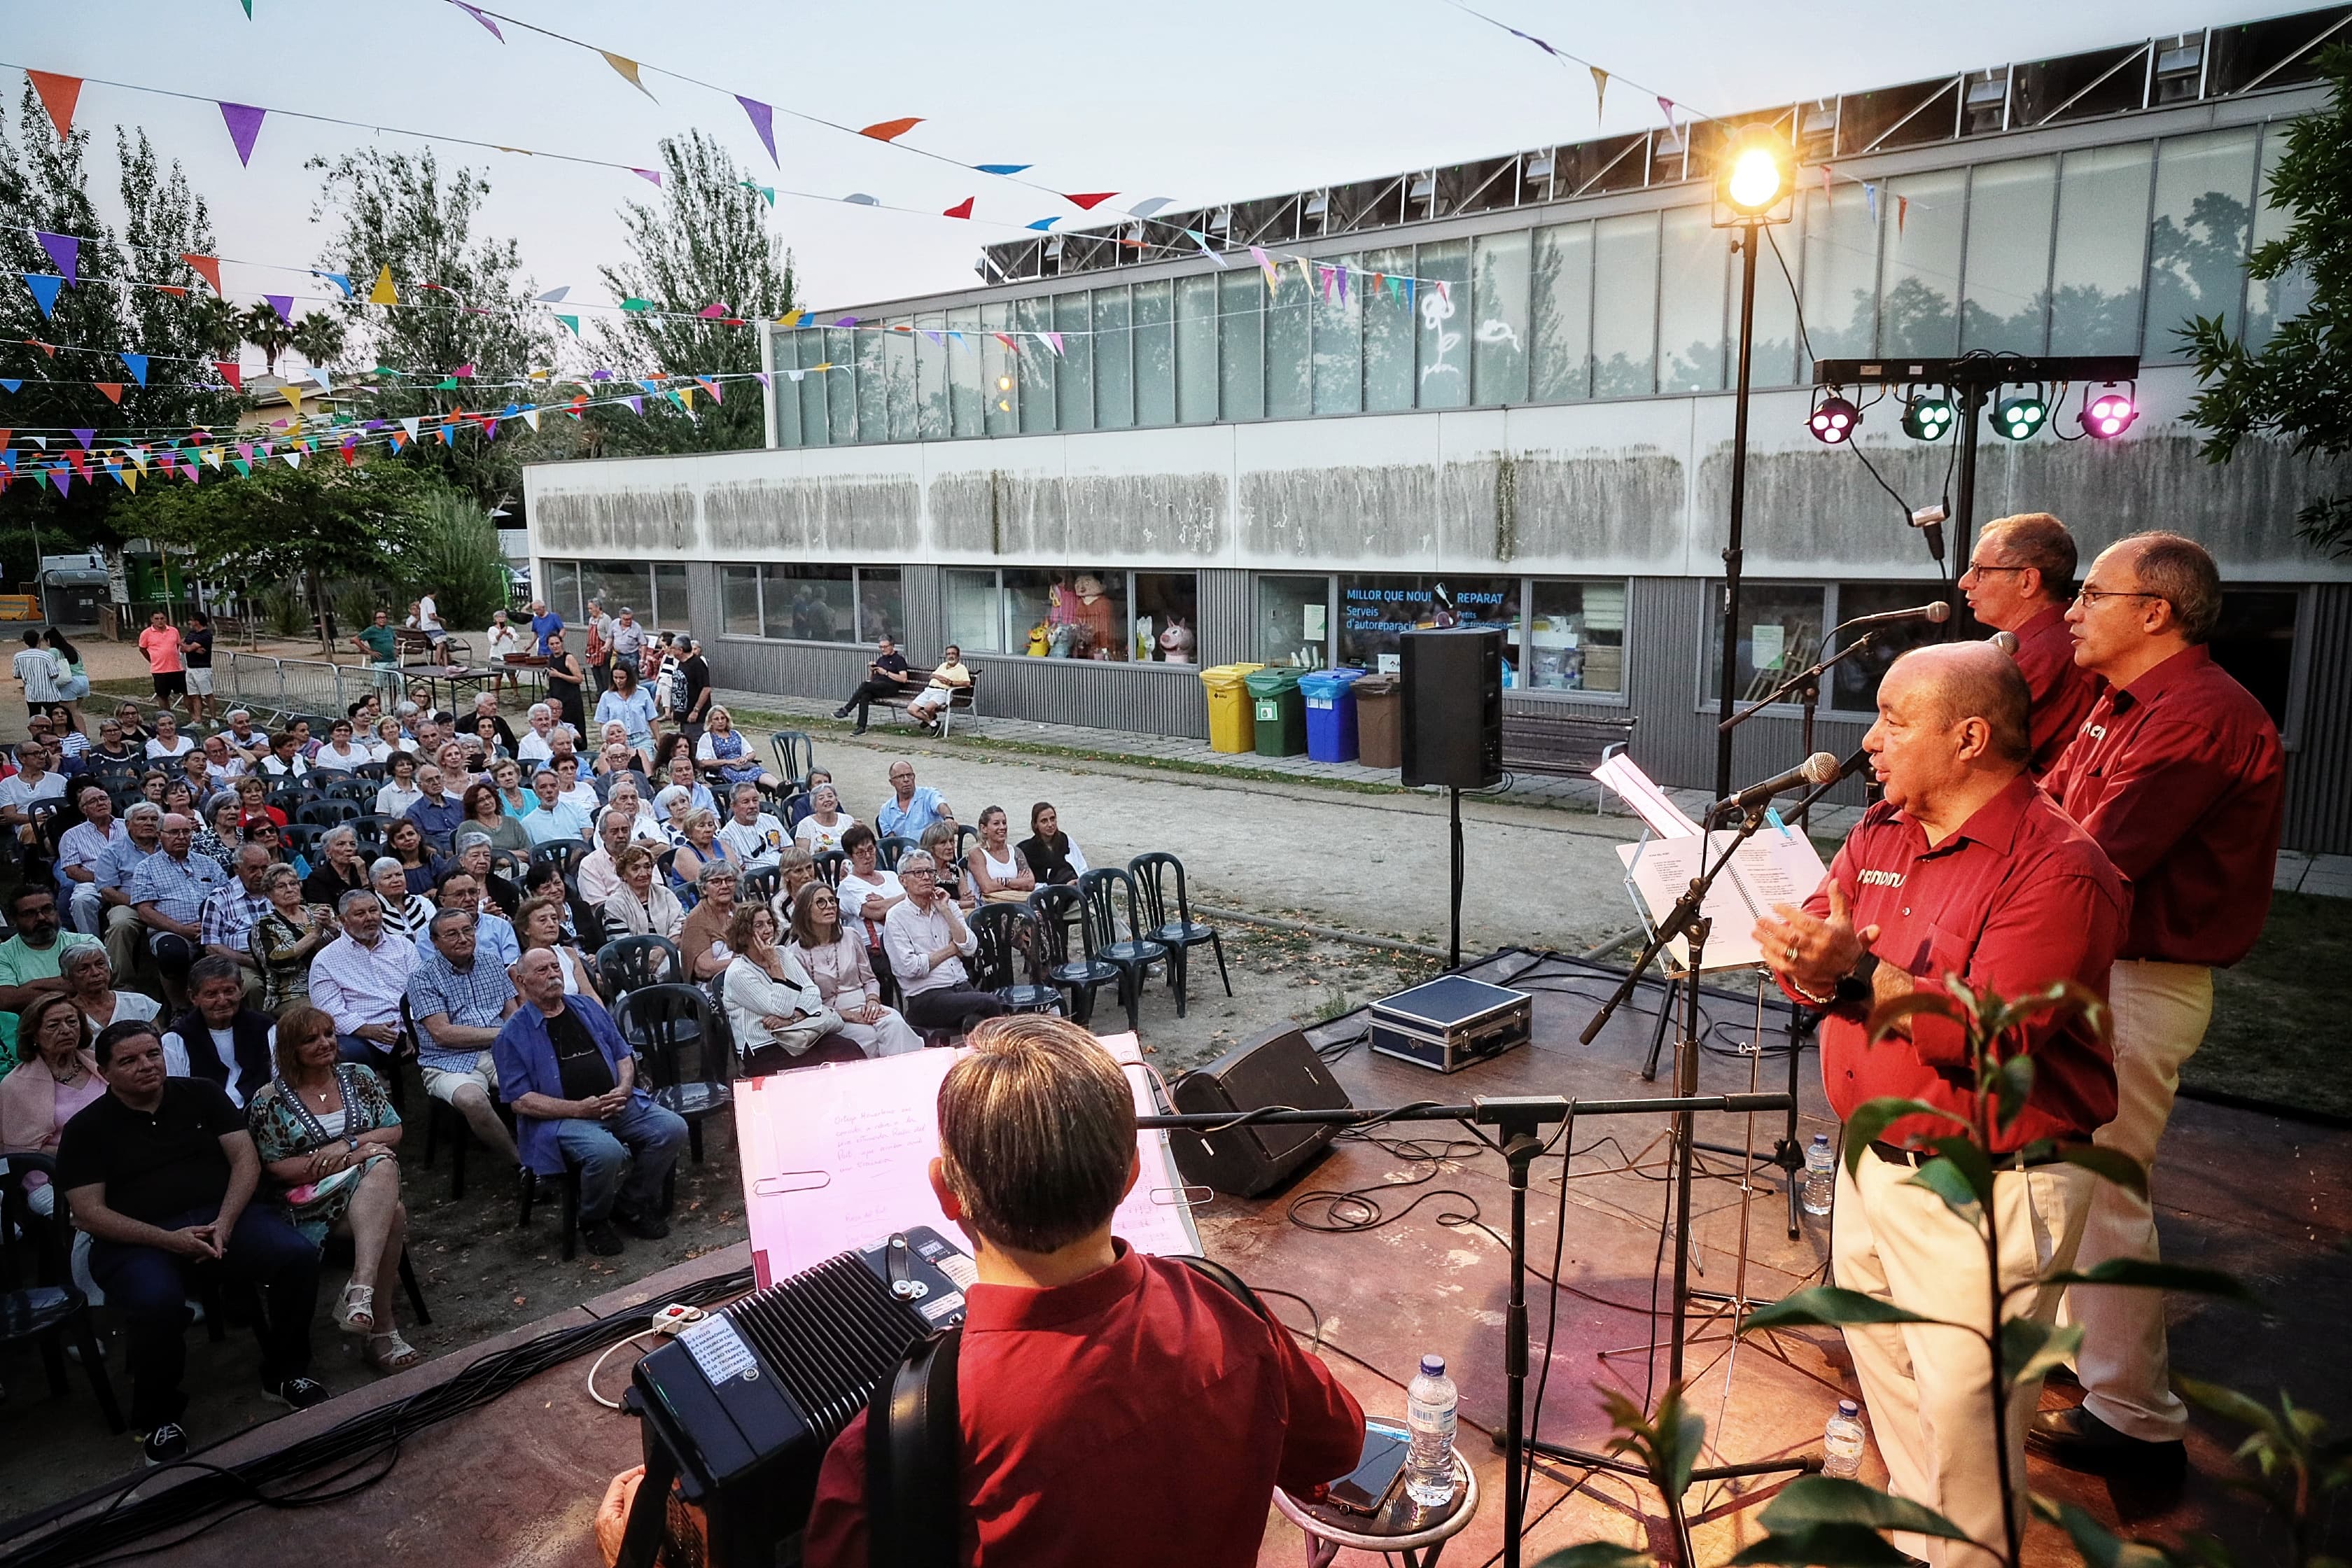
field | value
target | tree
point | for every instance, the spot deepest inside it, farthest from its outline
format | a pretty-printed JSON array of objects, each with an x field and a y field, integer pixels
[
  {"x": 318, "y": 338},
  {"x": 704, "y": 242},
  {"x": 2298, "y": 385},
  {"x": 267, "y": 331}
]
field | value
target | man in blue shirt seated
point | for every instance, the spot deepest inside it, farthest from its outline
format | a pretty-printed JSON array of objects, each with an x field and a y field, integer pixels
[
  {"x": 438, "y": 814},
  {"x": 909, "y": 810},
  {"x": 572, "y": 1081}
]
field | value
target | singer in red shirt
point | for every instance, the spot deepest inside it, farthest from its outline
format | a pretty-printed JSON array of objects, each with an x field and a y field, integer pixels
[
  {"x": 2179, "y": 775},
  {"x": 1115, "y": 1408},
  {"x": 2018, "y": 580},
  {"x": 1966, "y": 868}
]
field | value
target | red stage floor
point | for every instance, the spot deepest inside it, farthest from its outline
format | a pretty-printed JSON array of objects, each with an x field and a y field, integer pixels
[{"x": 518, "y": 1482}]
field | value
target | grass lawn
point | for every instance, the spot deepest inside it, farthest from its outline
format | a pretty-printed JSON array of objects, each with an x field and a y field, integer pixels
[{"x": 2278, "y": 1027}]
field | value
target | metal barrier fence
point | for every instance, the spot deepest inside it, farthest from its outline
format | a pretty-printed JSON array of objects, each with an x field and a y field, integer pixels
[{"x": 284, "y": 686}]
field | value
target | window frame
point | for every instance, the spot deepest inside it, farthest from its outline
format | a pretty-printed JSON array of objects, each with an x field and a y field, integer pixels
[
  {"x": 1518, "y": 633},
  {"x": 1711, "y": 641},
  {"x": 1013, "y": 647},
  {"x": 763, "y": 572},
  {"x": 655, "y": 613}
]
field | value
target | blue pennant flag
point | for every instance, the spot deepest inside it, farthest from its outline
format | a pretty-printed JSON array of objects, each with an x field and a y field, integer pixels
[
  {"x": 137, "y": 365},
  {"x": 1001, "y": 168},
  {"x": 44, "y": 287}
]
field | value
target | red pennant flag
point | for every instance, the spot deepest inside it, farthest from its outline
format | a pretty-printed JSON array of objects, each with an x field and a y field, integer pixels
[
  {"x": 962, "y": 208},
  {"x": 231, "y": 373},
  {"x": 59, "y": 96},
  {"x": 1091, "y": 200},
  {"x": 207, "y": 268},
  {"x": 113, "y": 390},
  {"x": 891, "y": 130},
  {"x": 351, "y": 455},
  {"x": 5, "y": 437},
  {"x": 48, "y": 349},
  {"x": 174, "y": 290}
]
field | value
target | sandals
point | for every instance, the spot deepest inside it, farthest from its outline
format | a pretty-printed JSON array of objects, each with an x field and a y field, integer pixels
[
  {"x": 355, "y": 1313},
  {"x": 390, "y": 1353}
]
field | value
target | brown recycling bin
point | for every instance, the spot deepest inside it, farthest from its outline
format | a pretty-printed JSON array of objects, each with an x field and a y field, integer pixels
[{"x": 1380, "y": 723}]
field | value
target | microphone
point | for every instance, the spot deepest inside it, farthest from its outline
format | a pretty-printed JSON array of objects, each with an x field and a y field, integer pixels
[
  {"x": 2005, "y": 641},
  {"x": 1820, "y": 768},
  {"x": 1935, "y": 614},
  {"x": 1929, "y": 519}
]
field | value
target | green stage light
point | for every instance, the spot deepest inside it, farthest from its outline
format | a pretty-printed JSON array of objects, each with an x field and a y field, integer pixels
[
  {"x": 1927, "y": 418},
  {"x": 2020, "y": 416}
]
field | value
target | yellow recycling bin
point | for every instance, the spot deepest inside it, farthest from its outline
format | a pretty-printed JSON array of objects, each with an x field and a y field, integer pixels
[{"x": 1230, "y": 726}]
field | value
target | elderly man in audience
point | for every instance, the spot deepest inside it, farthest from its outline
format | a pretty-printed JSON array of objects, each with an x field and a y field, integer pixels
[
  {"x": 754, "y": 837},
  {"x": 911, "y": 808},
  {"x": 161, "y": 1172},
  {"x": 572, "y": 1081},
  {"x": 436, "y": 812},
  {"x": 494, "y": 934},
  {"x": 645, "y": 823},
  {"x": 598, "y": 875},
  {"x": 118, "y": 918},
  {"x": 88, "y": 979},
  {"x": 233, "y": 910},
  {"x": 219, "y": 1038},
  {"x": 459, "y": 1001},
  {"x": 556, "y": 818},
  {"x": 169, "y": 890},
  {"x": 80, "y": 848},
  {"x": 702, "y": 941},
  {"x": 928, "y": 941},
  {"x": 536, "y": 744},
  {"x": 30, "y": 960},
  {"x": 359, "y": 979}
]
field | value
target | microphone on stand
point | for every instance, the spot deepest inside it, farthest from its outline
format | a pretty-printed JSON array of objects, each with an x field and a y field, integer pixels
[
  {"x": 1935, "y": 614},
  {"x": 1820, "y": 768},
  {"x": 2005, "y": 641},
  {"x": 1929, "y": 519}
]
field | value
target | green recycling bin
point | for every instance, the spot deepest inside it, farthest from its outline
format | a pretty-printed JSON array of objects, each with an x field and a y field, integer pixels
[{"x": 1279, "y": 711}]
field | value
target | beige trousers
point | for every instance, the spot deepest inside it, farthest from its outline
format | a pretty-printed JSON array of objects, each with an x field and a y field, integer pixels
[
  {"x": 2160, "y": 1014},
  {"x": 1929, "y": 1390}
]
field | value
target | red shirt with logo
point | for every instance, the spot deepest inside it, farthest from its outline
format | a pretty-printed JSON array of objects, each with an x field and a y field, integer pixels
[
  {"x": 2063, "y": 690},
  {"x": 2017, "y": 898},
  {"x": 2180, "y": 778}
]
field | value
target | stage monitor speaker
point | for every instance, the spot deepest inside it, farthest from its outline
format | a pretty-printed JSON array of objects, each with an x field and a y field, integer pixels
[
  {"x": 1453, "y": 683},
  {"x": 1279, "y": 1068}
]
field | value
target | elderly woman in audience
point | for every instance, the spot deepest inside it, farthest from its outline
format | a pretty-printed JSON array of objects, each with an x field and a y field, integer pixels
[
  {"x": 642, "y": 907},
  {"x": 58, "y": 1077},
  {"x": 796, "y": 870},
  {"x": 672, "y": 806},
  {"x": 1000, "y": 874},
  {"x": 1049, "y": 851},
  {"x": 339, "y": 869},
  {"x": 406, "y": 912},
  {"x": 703, "y": 847},
  {"x": 540, "y": 923},
  {"x": 286, "y": 938},
  {"x": 726, "y": 757},
  {"x": 487, "y": 813},
  {"x": 88, "y": 979},
  {"x": 822, "y": 828},
  {"x": 388, "y": 739},
  {"x": 773, "y": 1008},
  {"x": 628, "y": 758},
  {"x": 834, "y": 957},
  {"x": 326, "y": 1132},
  {"x": 221, "y": 835},
  {"x": 399, "y": 792},
  {"x": 343, "y": 751},
  {"x": 939, "y": 841}
]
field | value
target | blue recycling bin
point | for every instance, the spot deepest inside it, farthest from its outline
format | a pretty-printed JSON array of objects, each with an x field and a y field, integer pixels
[{"x": 1330, "y": 713}]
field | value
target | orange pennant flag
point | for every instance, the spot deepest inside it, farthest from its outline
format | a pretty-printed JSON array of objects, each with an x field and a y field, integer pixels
[
  {"x": 207, "y": 268},
  {"x": 628, "y": 69},
  {"x": 113, "y": 390},
  {"x": 59, "y": 96},
  {"x": 174, "y": 290},
  {"x": 891, "y": 130}
]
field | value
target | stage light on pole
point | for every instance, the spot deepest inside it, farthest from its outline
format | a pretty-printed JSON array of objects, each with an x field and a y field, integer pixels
[
  {"x": 2108, "y": 415},
  {"x": 1833, "y": 420},
  {"x": 2020, "y": 416},
  {"x": 1758, "y": 172},
  {"x": 1926, "y": 418}
]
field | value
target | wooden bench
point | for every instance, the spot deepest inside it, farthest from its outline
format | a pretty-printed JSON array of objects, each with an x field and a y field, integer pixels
[
  {"x": 960, "y": 700},
  {"x": 411, "y": 646},
  {"x": 1560, "y": 741}
]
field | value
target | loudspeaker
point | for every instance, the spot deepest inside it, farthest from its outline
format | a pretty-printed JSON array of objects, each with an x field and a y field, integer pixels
[
  {"x": 1454, "y": 707},
  {"x": 1279, "y": 1068}
]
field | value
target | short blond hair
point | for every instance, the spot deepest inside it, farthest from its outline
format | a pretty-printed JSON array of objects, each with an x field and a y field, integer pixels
[{"x": 1037, "y": 1132}]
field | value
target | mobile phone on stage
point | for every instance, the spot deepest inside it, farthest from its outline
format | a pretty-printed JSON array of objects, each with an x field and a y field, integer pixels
[{"x": 1365, "y": 1489}]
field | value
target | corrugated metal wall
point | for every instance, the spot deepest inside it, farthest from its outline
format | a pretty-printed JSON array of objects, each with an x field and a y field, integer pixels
[
  {"x": 1226, "y": 629},
  {"x": 2319, "y": 771}
]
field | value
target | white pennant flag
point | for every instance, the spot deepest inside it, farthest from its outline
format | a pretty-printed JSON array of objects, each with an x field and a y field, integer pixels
[{"x": 410, "y": 426}]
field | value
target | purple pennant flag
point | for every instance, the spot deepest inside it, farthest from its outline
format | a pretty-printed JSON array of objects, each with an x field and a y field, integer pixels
[
  {"x": 84, "y": 437},
  {"x": 243, "y": 122},
  {"x": 653, "y": 174},
  {"x": 477, "y": 17},
  {"x": 763, "y": 121},
  {"x": 636, "y": 404},
  {"x": 283, "y": 304},
  {"x": 761, "y": 376},
  {"x": 64, "y": 481},
  {"x": 64, "y": 251}
]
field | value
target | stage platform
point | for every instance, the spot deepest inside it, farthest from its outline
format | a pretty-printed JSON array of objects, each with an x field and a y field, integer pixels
[{"x": 518, "y": 1481}]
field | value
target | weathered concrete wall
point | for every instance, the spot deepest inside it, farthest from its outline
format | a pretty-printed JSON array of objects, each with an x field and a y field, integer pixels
[
  {"x": 874, "y": 518},
  {"x": 653, "y": 520}
]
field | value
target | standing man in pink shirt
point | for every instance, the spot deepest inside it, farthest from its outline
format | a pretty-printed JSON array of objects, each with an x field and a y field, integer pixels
[{"x": 161, "y": 643}]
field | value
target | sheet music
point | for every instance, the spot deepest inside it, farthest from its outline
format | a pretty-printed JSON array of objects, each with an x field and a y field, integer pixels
[
  {"x": 1644, "y": 799},
  {"x": 1777, "y": 866},
  {"x": 836, "y": 1156}
]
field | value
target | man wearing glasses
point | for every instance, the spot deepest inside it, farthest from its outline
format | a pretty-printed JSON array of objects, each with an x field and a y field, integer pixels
[
  {"x": 928, "y": 942},
  {"x": 2179, "y": 775},
  {"x": 2019, "y": 581}
]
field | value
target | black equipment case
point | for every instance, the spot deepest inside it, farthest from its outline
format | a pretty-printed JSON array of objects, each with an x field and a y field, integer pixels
[{"x": 1451, "y": 1023}]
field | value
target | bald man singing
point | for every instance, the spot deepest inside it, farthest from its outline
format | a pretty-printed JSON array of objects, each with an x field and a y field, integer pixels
[{"x": 1965, "y": 868}]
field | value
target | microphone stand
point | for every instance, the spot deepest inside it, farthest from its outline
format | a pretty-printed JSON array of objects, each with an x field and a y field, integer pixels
[{"x": 1807, "y": 683}]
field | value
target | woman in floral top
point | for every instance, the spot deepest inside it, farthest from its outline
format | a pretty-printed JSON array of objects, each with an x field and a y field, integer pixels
[{"x": 286, "y": 938}]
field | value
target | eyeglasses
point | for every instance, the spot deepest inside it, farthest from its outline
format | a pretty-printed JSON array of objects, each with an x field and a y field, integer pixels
[
  {"x": 1978, "y": 569},
  {"x": 903, "y": 875},
  {"x": 2089, "y": 597}
]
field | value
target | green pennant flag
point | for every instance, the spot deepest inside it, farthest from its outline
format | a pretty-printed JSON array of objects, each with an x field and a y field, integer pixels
[
  {"x": 570, "y": 322},
  {"x": 243, "y": 468},
  {"x": 634, "y": 303},
  {"x": 447, "y": 383}
]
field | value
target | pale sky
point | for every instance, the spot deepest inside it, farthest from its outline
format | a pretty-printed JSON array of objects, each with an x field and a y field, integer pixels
[{"x": 1219, "y": 100}]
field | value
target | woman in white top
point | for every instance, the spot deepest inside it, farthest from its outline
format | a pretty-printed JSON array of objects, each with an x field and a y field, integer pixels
[
  {"x": 399, "y": 792},
  {"x": 868, "y": 893},
  {"x": 342, "y": 752},
  {"x": 167, "y": 741},
  {"x": 772, "y": 1006},
  {"x": 540, "y": 923},
  {"x": 1000, "y": 875},
  {"x": 388, "y": 739},
  {"x": 836, "y": 960},
  {"x": 88, "y": 979},
  {"x": 644, "y": 907},
  {"x": 404, "y": 913},
  {"x": 822, "y": 828}
]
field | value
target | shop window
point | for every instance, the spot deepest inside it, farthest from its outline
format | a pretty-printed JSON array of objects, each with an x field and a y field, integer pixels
[
  {"x": 1576, "y": 639},
  {"x": 1377, "y": 611},
  {"x": 2255, "y": 643},
  {"x": 1779, "y": 633},
  {"x": 1293, "y": 621},
  {"x": 1852, "y": 685}
]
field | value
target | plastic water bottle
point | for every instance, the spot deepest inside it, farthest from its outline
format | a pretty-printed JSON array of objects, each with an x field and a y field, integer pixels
[
  {"x": 1430, "y": 1401},
  {"x": 1821, "y": 1175},
  {"x": 1842, "y": 1442}
]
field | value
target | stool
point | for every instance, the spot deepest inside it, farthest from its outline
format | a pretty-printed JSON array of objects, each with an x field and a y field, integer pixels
[{"x": 1402, "y": 1526}]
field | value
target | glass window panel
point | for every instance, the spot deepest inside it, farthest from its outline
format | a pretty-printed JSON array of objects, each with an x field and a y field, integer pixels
[
  {"x": 1287, "y": 344},
  {"x": 563, "y": 592},
  {"x": 2255, "y": 643},
  {"x": 1038, "y": 369},
  {"x": 1561, "y": 351},
  {"x": 808, "y": 351},
  {"x": 1625, "y": 305},
  {"x": 975, "y": 621},
  {"x": 2094, "y": 276},
  {"x": 1114, "y": 345},
  {"x": 1167, "y": 611},
  {"x": 1155, "y": 353},
  {"x": 2281, "y": 299},
  {"x": 1377, "y": 610},
  {"x": 1074, "y": 372},
  {"x": 1442, "y": 298},
  {"x": 1074, "y": 613},
  {"x": 1293, "y": 621},
  {"x": 931, "y": 419},
  {"x": 1841, "y": 276},
  {"x": 616, "y": 583},
  {"x": 1498, "y": 297},
  {"x": 1774, "y": 357},
  {"x": 1578, "y": 635},
  {"x": 841, "y": 384},
  {"x": 1196, "y": 349},
  {"x": 739, "y": 601},
  {"x": 1780, "y": 634},
  {"x": 1337, "y": 313},
  {"x": 669, "y": 594},
  {"x": 2006, "y": 295},
  {"x": 1001, "y": 374},
  {"x": 1854, "y": 684},
  {"x": 1920, "y": 312},
  {"x": 872, "y": 357},
  {"x": 787, "y": 396},
  {"x": 881, "y": 604},
  {"x": 1388, "y": 315},
  {"x": 1692, "y": 254},
  {"x": 810, "y": 604},
  {"x": 2197, "y": 238},
  {"x": 1241, "y": 344},
  {"x": 966, "y": 406},
  {"x": 898, "y": 370}
]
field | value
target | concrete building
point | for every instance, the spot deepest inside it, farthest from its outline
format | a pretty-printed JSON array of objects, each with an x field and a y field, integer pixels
[{"x": 1501, "y": 388}]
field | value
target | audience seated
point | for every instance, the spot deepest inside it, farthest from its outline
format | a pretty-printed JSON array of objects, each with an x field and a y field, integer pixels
[
  {"x": 339, "y": 869},
  {"x": 436, "y": 812},
  {"x": 540, "y": 923},
  {"x": 643, "y": 905},
  {"x": 30, "y": 960},
  {"x": 911, "y": 808},
  {"x": 556, "y": 817},
  {"x": 928, "y": 941},
  {"x": 868, "y": 893},
  {"x": 726, "y": 757},
  {"x": 459, "y": 1001},
  {"x": 81, "y": 853},
  {"x": 833, "y": 958},
  {"x": 773, "y": 1008},
  {"x": 288, "y": 938},
  {"x": 169, "y": 890},
  {"x": 702, "y": 940},
  {"x": 822, "y": 828},
  {"x": 1049, "y": 851},
  {"x": 598, "y": 874},
  {"x": 997, "y": 872},
  {"x": 420, "y": 859},
  {"x": 88, "y": 975},
  {"x": 939, "y": 841},
  {"x": 219, "y": 1038},
  {"x": 494, "y": 935},
  {"x": 343, "y": 751},
  {"x": 754, "y": 837},
  {"x": 56, "y": 1078},
  {"x": 399, "y": 792},
  {"x": 703, "y": 847},
  {"x": 486, "y": 813},
  {"x": 359, "y": 979},
  {"x": 232, "y": 908},
  {"x": 223, "y": 818},
  {"x": 628, "y": 802},
  {"x": 579, "y": 922},
  {"x": 404, "y": 912}
]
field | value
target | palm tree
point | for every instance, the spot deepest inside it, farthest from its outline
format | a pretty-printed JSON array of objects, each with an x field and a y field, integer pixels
[
  {"x": 318, "y": 338},
  {"x": 267, "y": 331},
  {"x": 219, "y": 326}
]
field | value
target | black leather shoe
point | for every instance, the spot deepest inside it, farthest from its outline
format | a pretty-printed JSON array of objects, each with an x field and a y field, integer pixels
[
  {"x": 645, "y": 1226},
  {"x": 2081, "y": 1441},
  {"x": 599, "y": 1238}
]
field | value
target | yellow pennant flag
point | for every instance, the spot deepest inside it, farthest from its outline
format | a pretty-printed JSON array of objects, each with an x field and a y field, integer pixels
[
  {"x": 293, "y": 394},
  {"x": 1305, "y": 275},
  {"x": 627, "y": 67},
  {"x": 1600, "y": 89},
  {"x": 383, "y": 293},
  {"x": 130, "y": 482},
  {"x": 684, "y": 395},
  {"x": 790, "y": 318}
]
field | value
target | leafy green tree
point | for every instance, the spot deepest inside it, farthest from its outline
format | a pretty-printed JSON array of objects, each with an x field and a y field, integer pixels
[
  {"x": 703, "y": 242},
  {"x": 450, "y": 550},
  {"x": 2298, "y": 385},
  {"x": 267, "y": 331},
  {"x": 318, "y": 338},
  {"x": 216, "y": 328}
]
